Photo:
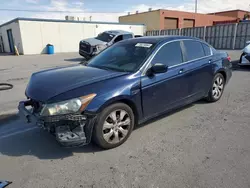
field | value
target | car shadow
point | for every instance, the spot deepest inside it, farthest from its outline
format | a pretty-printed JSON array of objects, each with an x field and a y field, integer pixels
[
  {"x": 41, "y": 144},
  {"x": 28, "y": 140},
  {"x": 6, "y": 54},
  {"x": 171, "y": 112},
  {"x": 236, "y": 67},
  {"x": 78, "y": 59},
  {"x": 6, "y": 118}
]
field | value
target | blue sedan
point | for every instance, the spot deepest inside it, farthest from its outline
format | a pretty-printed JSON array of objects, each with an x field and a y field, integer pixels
[{"x": 125, "y": 85}]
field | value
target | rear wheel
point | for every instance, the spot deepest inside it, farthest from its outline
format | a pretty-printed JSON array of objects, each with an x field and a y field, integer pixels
[
  {"x": 217, "y": 88},
  {"x": 114, "y": 125}
]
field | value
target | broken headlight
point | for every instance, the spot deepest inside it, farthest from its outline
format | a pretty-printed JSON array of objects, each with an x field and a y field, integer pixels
[{"x": 68, "y": 106}]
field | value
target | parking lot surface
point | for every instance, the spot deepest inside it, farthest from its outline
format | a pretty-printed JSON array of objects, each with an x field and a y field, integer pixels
[
  {"x": 201, "y": 145},
  {"x": 17, "y": 70}
]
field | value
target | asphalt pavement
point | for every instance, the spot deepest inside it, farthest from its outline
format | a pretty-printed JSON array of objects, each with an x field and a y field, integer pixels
[
  {"x": 17, "y": 70},
  {"x": 201, "y": 145}
]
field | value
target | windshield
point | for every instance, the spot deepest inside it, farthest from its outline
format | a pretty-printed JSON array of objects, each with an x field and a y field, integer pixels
[
  {"x": 124, "y": 57},
  {"x": 106, "y": 37}
]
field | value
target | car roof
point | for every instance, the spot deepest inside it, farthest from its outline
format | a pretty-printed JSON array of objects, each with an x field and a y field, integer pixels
[
  {"x": 117, "y": 32},
  {"x": 160, "y": 39}
]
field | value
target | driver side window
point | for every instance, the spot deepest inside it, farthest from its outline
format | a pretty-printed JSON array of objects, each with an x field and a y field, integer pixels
[
  {"x": 170, "y": 54},
  {"x": 118, "y": 38}
]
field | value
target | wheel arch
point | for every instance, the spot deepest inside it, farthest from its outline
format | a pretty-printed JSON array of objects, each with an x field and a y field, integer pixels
[
  {"x": 122, "y": 99},
  {"x": 223, "y": 72}
]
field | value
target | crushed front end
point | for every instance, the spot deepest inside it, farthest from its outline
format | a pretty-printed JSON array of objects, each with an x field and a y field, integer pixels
[{"x": 70, "y": 130}]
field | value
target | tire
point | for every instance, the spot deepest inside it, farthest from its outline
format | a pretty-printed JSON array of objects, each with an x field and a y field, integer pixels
[
  {"x": 240, "y": 61},
  {"x": 115, "y": 131},
  {"x": 216, "y": 87}
]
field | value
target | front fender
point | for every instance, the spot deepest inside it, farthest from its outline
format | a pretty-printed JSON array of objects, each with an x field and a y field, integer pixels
[
  {"x": 115, "y": 100},
  {"x": 100, "y": 103}
]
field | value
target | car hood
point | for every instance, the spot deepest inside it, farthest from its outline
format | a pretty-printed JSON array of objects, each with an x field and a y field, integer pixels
[
  {"x": 94, "y": 41},
  {"x": 50, "y": 83}
]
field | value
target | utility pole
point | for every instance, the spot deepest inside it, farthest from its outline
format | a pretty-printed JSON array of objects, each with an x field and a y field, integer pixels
[{"x": 196, "y": 6}]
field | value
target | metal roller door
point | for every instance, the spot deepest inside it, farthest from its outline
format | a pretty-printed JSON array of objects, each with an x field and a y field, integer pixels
[
  {"x": 188, "y": 23},
  {"x": 171, "y": 23}
]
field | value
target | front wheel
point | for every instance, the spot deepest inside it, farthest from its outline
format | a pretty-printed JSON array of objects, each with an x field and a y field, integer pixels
[
  {"x": 240, "y": 61},
  {"x": 217, "y": 88},
  {"x": 113, "y": 126}
]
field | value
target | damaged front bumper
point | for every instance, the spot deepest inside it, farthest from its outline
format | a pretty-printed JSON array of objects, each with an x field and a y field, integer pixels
[{"x": 70, "y": 130}]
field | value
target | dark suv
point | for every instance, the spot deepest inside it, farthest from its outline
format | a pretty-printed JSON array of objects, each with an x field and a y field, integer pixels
[{"x": 125, "y": 85}]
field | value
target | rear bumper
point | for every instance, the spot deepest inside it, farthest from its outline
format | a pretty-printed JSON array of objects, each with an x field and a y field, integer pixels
[
  {"x": 229, "y": 72},
  {"x": 70, "y": 130}
]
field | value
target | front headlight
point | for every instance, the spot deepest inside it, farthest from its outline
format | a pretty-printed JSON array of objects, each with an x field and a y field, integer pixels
[
  {"x": 99, "y": 47},
  {"x": 68, "y": 106}
]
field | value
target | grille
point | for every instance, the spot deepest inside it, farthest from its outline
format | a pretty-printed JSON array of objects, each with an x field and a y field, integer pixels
[{"x": 85, "y": 47}]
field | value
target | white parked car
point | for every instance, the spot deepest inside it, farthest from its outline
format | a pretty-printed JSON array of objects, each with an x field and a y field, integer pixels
[{"x": 245, "y": 56}]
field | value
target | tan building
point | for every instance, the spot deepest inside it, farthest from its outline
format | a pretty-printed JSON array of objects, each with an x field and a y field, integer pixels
[
  {"x": 170, "y": 19},
  {"x": 232, "y": 13}
]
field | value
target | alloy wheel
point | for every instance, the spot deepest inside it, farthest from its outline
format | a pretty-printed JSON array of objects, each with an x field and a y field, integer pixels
[
  {"x": 218, "y": 87},
  {"x": 116, "y": 126}
]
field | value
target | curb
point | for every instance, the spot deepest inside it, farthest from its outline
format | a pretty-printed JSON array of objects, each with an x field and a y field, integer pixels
[
  {"x": 9, "y": 112},
  {"x": 8, "y": 116}
]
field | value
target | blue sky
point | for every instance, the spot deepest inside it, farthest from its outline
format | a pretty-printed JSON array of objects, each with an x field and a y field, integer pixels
[
  {"x": 96, "y": 5},
  {"x": 107, "y": 10}
]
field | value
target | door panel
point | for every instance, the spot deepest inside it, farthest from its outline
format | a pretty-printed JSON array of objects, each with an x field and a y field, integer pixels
[
  {"x": 164, "y": 91},
  {"x": 201, "y": 70},
  {"x": 11, "y": 40},
  {"x": 1, "y": 44},
  {"x": 201, "y": 75}
]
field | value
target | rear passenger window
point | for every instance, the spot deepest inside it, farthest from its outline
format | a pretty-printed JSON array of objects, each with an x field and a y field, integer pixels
[
  {"x": 127, "y": 36},
  {"x": 194, "y": 50},
  {"x": 206, "y": 49},
  {"x": 170, "y": 54}
]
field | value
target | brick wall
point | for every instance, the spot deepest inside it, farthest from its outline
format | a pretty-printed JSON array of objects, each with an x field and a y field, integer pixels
[{"x": 200, "y": 19}]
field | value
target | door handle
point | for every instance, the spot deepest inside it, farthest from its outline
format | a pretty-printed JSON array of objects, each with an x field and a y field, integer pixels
[
  {"x": 181, "y": 71},
  {"x": 210, "y": 61}
]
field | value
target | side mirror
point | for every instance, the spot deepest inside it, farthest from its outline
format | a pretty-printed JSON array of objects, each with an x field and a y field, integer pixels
[
  {"x": 159, "y": 68},
  {"x": 156, "y": 69}
]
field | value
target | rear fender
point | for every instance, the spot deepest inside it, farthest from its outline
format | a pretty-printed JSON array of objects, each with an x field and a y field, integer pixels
[{"x": 223, "y": 72}]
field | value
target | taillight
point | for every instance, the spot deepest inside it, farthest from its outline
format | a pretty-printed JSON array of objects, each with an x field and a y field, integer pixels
[{"x": 228, "y": 58}]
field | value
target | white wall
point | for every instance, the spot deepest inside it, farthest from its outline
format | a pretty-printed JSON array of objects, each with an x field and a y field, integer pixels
[
  {"x": 14, "y": 26},
  {"x": 64, "y": 36}
]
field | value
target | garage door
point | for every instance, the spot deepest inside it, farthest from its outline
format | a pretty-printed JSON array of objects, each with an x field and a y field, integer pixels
[
  {"x": 171, "y": 23},
  {"x": 188, "y": 23}
]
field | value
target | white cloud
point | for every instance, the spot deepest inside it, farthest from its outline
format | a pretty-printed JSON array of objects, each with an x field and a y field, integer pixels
[
  {"x": 32, "y": 1},
  {"x": 63, "y": 5},
  {"x": 204, "y": 6},
  {"x": 76, "y": 8},
  {"x": 78, "y": 3}
]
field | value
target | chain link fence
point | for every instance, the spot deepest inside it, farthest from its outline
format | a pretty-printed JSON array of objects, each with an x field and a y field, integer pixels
[{"x": 226, "y": 36}]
